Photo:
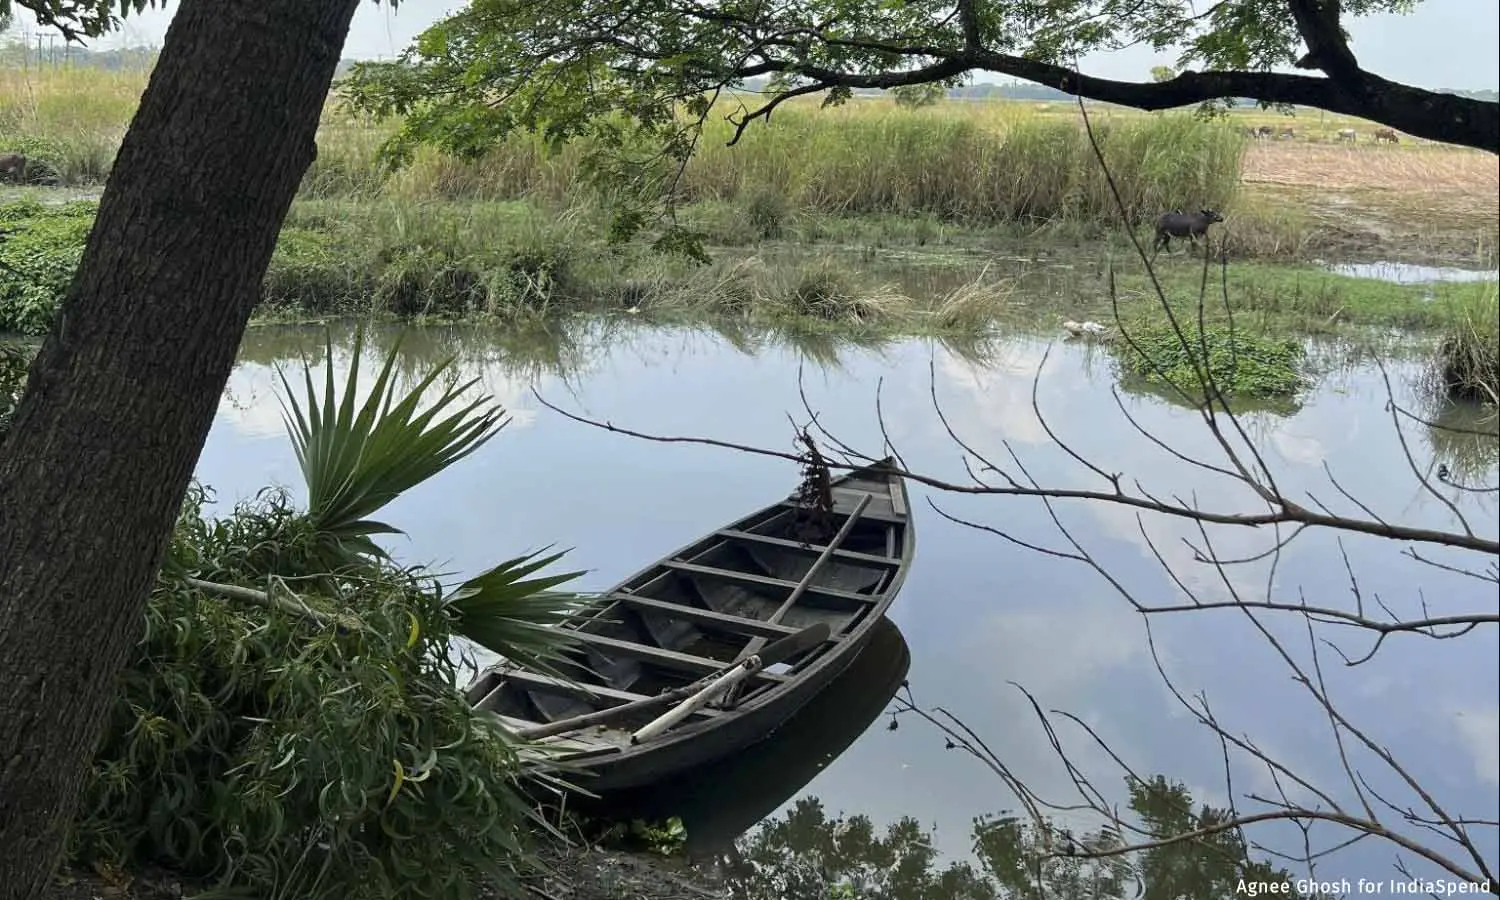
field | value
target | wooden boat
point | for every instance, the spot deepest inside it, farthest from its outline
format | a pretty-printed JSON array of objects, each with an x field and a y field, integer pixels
[
  {"x": 702, "y": 608},
  {"x": 722, "y": 800}
]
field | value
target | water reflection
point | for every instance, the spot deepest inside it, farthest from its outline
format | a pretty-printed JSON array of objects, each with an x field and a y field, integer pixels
[
  {"x": 1406, "y": 273},
  {"x": 979, "y": 611}
]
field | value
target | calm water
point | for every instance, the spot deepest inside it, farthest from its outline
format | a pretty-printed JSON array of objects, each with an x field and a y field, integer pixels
[
  {"x": 979, "y": 612},
  {"x": 1406, "y": 273}
]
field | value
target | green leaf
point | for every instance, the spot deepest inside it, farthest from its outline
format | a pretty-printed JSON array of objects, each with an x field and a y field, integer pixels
[
  {"x": 356, "y": 457},
  {"x": 510, "y": 614}
]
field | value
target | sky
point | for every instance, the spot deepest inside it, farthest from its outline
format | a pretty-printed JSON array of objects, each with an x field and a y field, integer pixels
[{"x": 1443, "y": 44}]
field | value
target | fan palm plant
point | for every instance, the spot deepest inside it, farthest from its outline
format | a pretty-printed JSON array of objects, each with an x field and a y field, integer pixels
[{"x": 358, "y": 455}]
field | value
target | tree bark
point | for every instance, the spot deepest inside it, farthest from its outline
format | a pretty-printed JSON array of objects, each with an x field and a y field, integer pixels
[{"x": 125, "y": 388}]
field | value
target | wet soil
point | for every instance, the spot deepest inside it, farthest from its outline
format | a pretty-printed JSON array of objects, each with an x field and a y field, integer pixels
[{"x": 581, "y": 873}]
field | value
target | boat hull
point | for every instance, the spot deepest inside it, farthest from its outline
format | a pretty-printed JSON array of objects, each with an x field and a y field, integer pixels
[{"x": 838, "y": 561}]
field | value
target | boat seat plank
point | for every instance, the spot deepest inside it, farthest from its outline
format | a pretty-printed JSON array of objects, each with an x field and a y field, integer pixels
[
  {"x": 870, "y": 559},
  {"x": 841, "y": 507},
  {"x": 725, "y": 621},
  {"x": 536, "y": 681},
  {"x": 685, "y": 662},
  {"x": 593, "y": 692},
  {"x": 782, "y": 584}
]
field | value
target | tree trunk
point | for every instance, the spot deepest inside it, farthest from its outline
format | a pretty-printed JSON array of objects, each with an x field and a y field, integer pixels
[{"x": 122, "y": 395}]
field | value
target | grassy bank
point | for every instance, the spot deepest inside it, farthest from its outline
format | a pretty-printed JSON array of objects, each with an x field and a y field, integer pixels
[
  {"x": 961, "y": 188},
  {"x": 501, "y": 260}
]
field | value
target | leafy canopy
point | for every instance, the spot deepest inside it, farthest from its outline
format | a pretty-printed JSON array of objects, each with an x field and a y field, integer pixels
[{"x": 77, "y": 19}]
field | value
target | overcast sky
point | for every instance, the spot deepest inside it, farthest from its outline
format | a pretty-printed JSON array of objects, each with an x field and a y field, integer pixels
[{"x": 1445, "y": 43}]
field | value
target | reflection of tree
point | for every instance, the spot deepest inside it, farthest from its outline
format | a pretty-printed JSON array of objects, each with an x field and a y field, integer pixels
[
  {"x": 1464, "y": 439},
  {"x": 1137, "y": 386},
  {"x": 807, "y": 855}
]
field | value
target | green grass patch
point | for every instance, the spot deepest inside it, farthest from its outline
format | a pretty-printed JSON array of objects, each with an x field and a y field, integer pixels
[
  {"x": 970, "y": 164},
  {"x": 1301, "y": 297},
  {"x": 1239, "y": 364},
  {"x": 1468, "y": 359}
]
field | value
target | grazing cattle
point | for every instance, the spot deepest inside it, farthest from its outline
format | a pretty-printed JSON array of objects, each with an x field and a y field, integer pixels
[
  {"x": 1264, "y": 131},
  {"x": 1183, "y": 225},
  {"x": 1386, "y": 134},
  {"x": 1347, "y": 134},
  {"x": 13, "y": 167},
  {"x": 1286, "y": 134}
]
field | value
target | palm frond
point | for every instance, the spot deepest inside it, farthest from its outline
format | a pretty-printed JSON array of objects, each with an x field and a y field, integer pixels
[
  {"x": 516, "y": 616},
  {"x": 356, "y": 457}
]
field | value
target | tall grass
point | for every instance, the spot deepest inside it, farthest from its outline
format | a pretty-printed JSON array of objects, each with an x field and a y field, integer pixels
[
  {"x": 961, "y": 162},
  {"x": 70, "y": 120},
  {"x": 982, "y": 165},
  {"x": 1468, "y": 360}
]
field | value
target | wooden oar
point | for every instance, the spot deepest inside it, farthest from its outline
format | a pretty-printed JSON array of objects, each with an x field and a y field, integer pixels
[
  {"x": 757, "y": 643},
  {"x": 782, "y": 648}
]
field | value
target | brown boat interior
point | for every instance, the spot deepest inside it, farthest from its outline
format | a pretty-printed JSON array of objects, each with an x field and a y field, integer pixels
[{"x": 693, "y": 614}]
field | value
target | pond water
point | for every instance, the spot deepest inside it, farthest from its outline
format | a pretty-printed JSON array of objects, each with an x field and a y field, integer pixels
[
  {"x": 981, "y": 613},
  {"x": 1407, "y": 273}
]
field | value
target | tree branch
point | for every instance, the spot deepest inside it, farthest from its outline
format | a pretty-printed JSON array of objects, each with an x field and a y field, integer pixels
[{"x": 1428, "y": 114}]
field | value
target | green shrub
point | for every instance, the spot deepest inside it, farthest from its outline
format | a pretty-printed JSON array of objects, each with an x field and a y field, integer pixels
[
  {"x": 314, "y": 271},
  {"x": 39, "y": 252},
  {"x": 15, "y": 360},
  {"x": 291, "y": 758}
]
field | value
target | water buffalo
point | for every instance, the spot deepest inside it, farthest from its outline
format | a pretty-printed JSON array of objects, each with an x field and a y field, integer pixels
[
  {"x": 1183, "y": 225},
  {"x": 1386, "y": 134},
  {"x": 13, "y": 167},
  {"x": 1347, "y": 134}
]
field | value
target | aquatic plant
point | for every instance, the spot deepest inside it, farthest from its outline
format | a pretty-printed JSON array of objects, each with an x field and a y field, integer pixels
[{"x": 1239, "y": 364}]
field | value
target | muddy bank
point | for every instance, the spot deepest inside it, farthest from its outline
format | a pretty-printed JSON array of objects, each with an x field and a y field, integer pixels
[
  {"x": 594, "y": 874},
  {"x": 574, "y": 874}
]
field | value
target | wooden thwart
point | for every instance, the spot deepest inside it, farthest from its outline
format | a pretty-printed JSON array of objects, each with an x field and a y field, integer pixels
[
  {"x": 576, "y": 689},
  {"x": 869, "y": 516},
  {"x": 684, "y": 662},
  {"x": 780, "y": 649},
  {"x": 797, "y": 588},
  {"x": 725, "y": 621},
  {"x": 869, "y": 559},
  {"x": 756, "y": 644}
]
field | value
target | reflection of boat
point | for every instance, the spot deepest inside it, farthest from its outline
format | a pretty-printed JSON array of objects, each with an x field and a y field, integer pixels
[
  {"x": 719, "y": 600},
  {"x": 720, "y": 801}
]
